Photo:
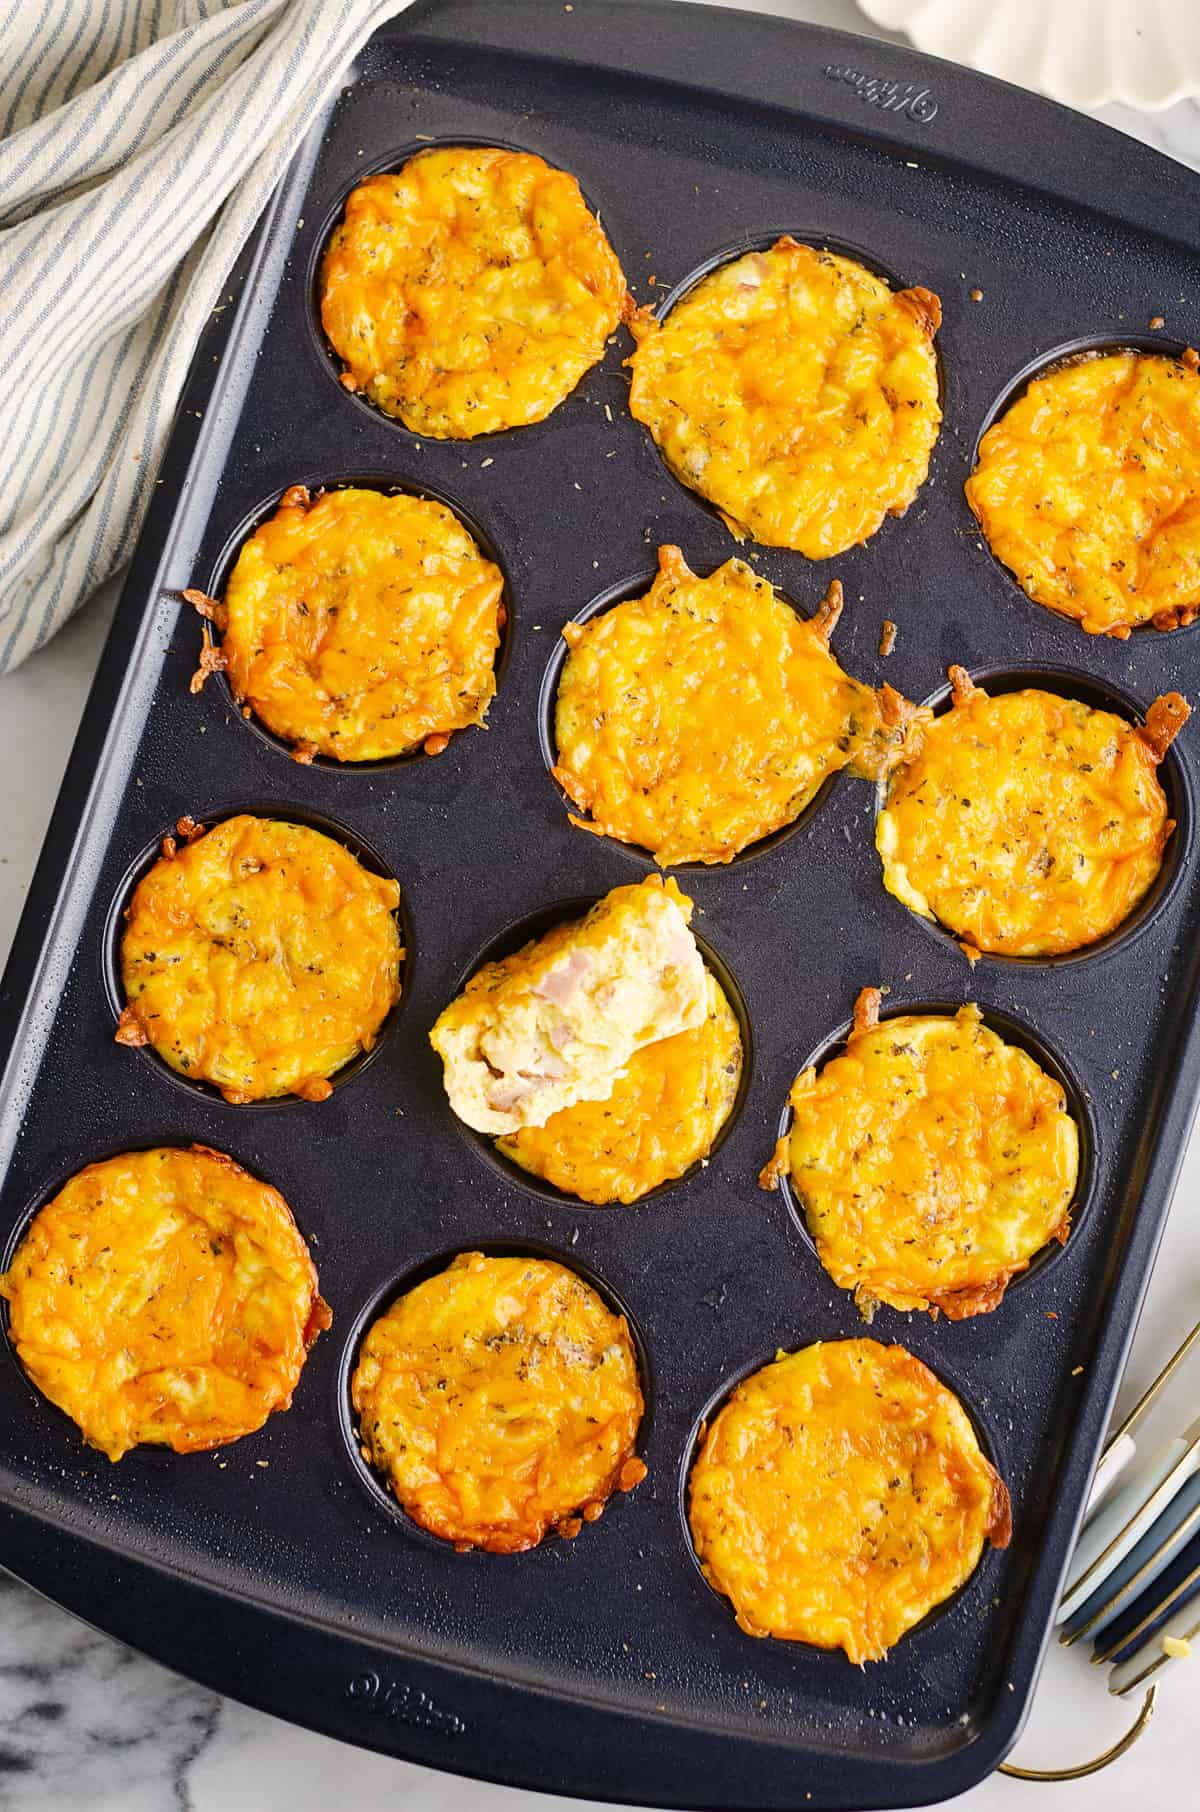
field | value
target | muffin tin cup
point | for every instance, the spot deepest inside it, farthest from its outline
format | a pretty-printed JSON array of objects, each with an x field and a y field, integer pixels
[
  {"x": 823, "y": 241},
  {"x": 388, "y": 483},
  {"x": 717, "y": 1602},
  {"x": 151, "y": 1453},
  {"x": 391, "y": 163},
  {"x": 623, "y": 592},
  {"x": 1068, "y": 682},
  {"x": 139, "y": 868},
  {"x": 373, "y": 1482},
  {"x": 1069, "y": 352},
  {"x": 1014, "y": 1032}
]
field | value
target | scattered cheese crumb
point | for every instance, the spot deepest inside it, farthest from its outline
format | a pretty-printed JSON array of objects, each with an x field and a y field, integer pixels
[
  {"x": 977, "y": 295},
  {"x": 1178, "y": 1647},
  {"x": 1157, "y": 321},
  {"x": 887, "y": 637}
]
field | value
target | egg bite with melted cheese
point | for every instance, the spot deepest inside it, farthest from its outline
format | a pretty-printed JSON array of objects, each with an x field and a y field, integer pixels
[
  {"x": 470, "y": 291},
  {"x": 501, "y": 1400},
  {"x": 664, "y": 1114},
  {"x": 164, "y": 1297},
  {"x": 797, "y": 392},
  {"x": 259, "y": 956},
  {"x": 840, "y": 1495},
  {"x": 707, "y": 714},
  {"x": 358, "y": 625},
  {"x": 932, "y": 1161},
  {"x": 1027, "y": 824},
  {"x": 1088, "y": 489},
  {"x": 558, "y": 1021}
]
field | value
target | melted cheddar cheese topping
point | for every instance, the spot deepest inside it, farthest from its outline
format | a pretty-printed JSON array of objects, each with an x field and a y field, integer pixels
[
  {"x": 705, "y": 715},
  {"x": 557, "y": 1022},
  {"x": 260, "y": 957},
  {"x": 840, "y": 1494},
  {"x": 470, "y": 291},
  {"x": 663, "y": 1115},
  {"x": 360, "y": 625},
  {"x": 795, "y": 391},
  {"x": 1026, "y": 824},
  {"x": 932, "y": 1161},
  {"x": 164, "y": 1296},
  {"x": 1088, "y": 490},
  {"x": 500, "y": 1399}
]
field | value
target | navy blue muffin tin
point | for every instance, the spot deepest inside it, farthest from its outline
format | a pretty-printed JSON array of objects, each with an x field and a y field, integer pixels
[{"x": 274, "y": 1570}]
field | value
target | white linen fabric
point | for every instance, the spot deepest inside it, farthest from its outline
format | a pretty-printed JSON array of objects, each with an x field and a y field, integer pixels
[{"x": 139, "y": 142}]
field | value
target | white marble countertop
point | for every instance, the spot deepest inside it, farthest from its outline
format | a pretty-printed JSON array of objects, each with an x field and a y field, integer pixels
[{"x": 86, "y": 1723}]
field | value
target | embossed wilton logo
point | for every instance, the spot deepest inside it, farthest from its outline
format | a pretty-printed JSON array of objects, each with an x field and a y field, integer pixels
[
  {"x": 893, "y": 97},
  {"x": 388, "y": 1699}
]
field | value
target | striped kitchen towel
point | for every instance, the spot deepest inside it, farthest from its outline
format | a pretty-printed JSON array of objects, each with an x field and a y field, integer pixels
[{"x": 139, "y": 142}]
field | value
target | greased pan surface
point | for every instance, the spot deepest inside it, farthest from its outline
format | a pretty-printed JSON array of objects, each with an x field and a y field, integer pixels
[{"x": 606, "y": 1667}]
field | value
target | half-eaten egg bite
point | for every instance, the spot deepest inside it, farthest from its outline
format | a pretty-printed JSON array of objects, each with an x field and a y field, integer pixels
[
  {"x": 358, "y": 625},
  {"x": 501, "y": 1400},
  {"x": 164, "y": 1297},
  {"x": 259, "y": 956},
  {"x": 470, "y": 291},
  {"x": 932, "y": 1161},
  {"x": 797, "y": 392},
  {"x": 558, "y": 1022},
  {"x": 1025, "y": 823},
  {"x": 840, "y": 1495},
  {"x": 707, "y": 714}
]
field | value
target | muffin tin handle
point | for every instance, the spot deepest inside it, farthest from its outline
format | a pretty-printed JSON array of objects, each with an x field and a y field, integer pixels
[
  {"x": 1140, "y": 1724},
  {"x": 1118, "y": 1439}
]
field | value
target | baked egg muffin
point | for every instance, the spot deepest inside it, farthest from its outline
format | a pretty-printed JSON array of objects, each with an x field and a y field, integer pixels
[
  {"x": 840, "y": 1494},
  {"x": 1088, "y": 490},
  {"x": 358, "y": 625},
  {"x": 1027, "y": 824},
  {"x": 557, "y": 1022},
  {"x": 795, "y": 391},
  {"x": 164, "y": 1297},
  {"x": 259, "y": 956},
  {"x": 701, "y": 717},
  {"x": 500, "y": 1399},
  {"x": 470, "y": 291},
  {"x": 932, "y": 1161},
  {"x": 665, "y": 1111}
]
